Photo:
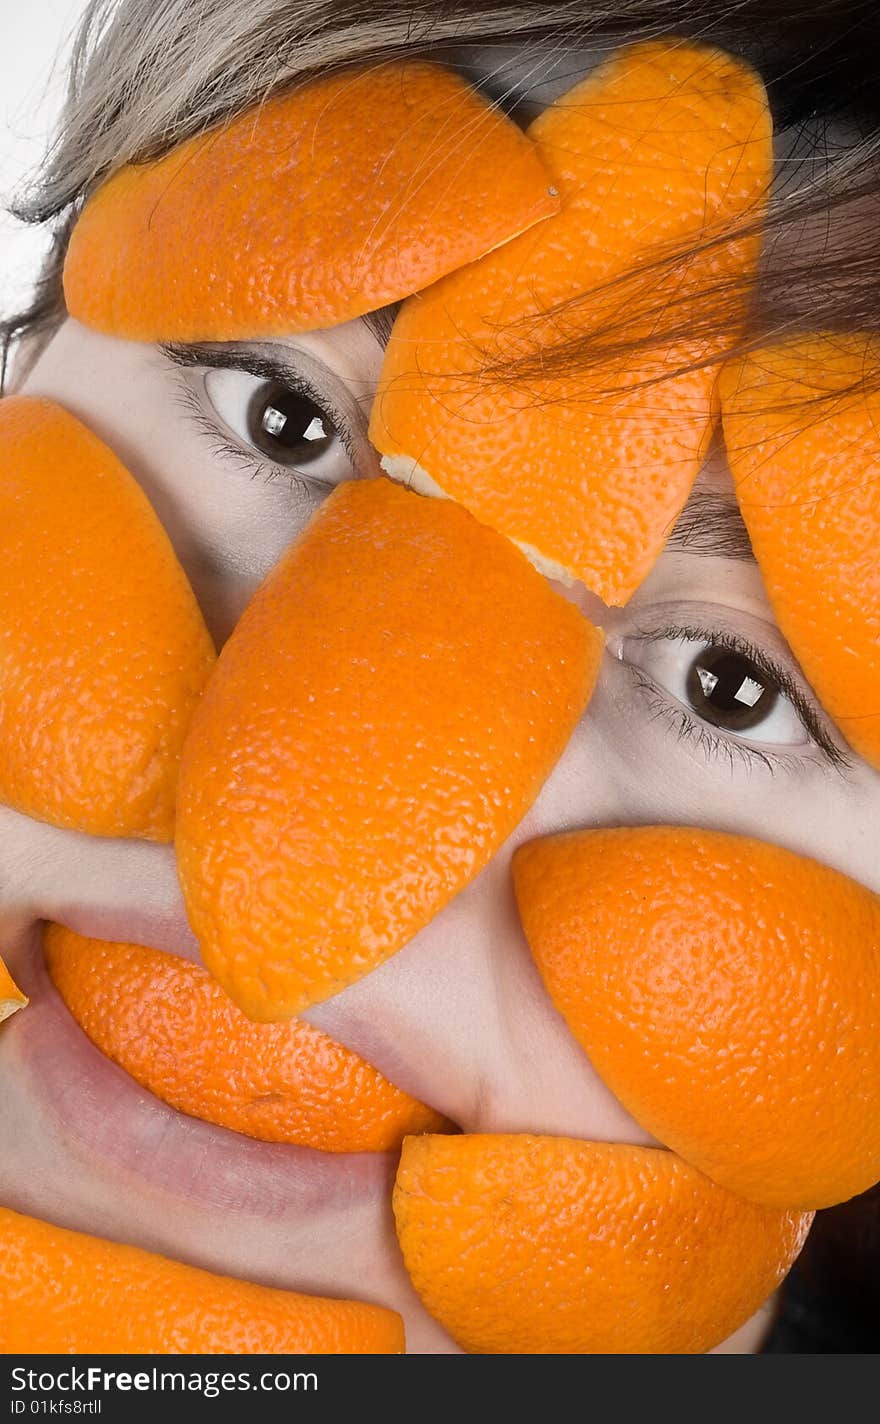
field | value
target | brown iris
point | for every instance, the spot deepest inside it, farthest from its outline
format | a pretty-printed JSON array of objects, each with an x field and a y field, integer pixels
[
  {"x": 729, "y": 690},
  {"x": 287, "y": 425}
]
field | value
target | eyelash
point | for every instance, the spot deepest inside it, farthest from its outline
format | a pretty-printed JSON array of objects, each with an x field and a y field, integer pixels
[
  {"x": 227, "y": 447},
  {"x": 714, "y": 744}
]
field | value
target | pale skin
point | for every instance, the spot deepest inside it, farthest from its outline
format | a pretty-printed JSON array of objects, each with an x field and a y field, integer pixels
[{"x": 460, "y": 1017}]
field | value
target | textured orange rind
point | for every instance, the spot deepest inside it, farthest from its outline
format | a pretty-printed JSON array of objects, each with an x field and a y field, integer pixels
[
  {"x": 550, "y": 1245},
  {"x": 383, "y": 715},
  {"x": 665, "y": 149},
  {"x": 63, "y": 1292},
  {"x": 801, "y": 423},
  {"x": 103, "y": 648},
  {"x": 171, "y": 1026},
  {"x": 727, "y": 991},
  {"x": 11, "y": 997},
  {"x": 313, "y": 208}
]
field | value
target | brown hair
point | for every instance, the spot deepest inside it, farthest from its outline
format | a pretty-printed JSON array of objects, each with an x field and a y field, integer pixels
[{"x": 146, "y": 74}]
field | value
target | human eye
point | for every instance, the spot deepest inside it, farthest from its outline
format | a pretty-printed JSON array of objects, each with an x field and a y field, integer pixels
[
  {"x": 275, "y": 417},
  {"x": 723, "y": 689}
]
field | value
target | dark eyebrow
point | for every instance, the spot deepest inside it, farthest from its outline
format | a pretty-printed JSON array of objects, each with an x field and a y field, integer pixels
[
  {"x": 380, "y": 322},
  {"x": 711, "y": 524}
]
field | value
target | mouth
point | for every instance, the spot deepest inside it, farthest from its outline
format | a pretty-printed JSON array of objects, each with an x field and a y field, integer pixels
[
  {"x": 98, "y": 1153},
  {"x": 174, "y": 1030},
  {"x": 208, "y": 1196},
  {"x": 106, "y": 1118}
]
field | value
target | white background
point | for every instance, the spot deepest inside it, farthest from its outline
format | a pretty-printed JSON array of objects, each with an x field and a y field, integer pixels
[{"x": 34, "y": 40}]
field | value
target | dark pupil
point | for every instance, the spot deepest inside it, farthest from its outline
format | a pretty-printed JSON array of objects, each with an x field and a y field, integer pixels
[
  {"x": 288, "y": 426},
  {"x": 726, "y": 689}
]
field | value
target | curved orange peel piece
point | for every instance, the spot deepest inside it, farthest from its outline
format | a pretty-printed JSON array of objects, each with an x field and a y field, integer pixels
[
  {"x": 315, "y": 207},
  {"x": 801, "y": 431},
  {"x": 63, "y": 1292},
  {"x": 11, "y": 997},
  {"x": 103, "y": 647},
  {"x": 727, "y": 991},
  {"x": 170, "y": 1025},
  {"x": 665, "y": 149},
  {"x": 551, "y": 1245},
  {"x": 381, "y": 718}
]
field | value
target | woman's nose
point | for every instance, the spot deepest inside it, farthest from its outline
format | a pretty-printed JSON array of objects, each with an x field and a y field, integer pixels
[{"x": 461, "y": 1019}]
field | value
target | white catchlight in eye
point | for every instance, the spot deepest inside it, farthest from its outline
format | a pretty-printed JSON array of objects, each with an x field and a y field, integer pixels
[
  {"x": 748, "y": 692},
  {"x": 274, "y": 421}
]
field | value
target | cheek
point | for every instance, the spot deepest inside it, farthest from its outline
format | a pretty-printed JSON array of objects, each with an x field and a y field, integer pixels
[
  {"x": 623, "y": 767},
  {"x": 614, "y": 770},
  {"x": 227, "y": 529},
  {"x": 727, "y": 991}
]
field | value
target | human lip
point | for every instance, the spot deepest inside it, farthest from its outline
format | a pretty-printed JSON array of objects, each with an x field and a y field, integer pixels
[
  {"x": 109, "y": 1120},
  {"x": 172, "y": 1027}
]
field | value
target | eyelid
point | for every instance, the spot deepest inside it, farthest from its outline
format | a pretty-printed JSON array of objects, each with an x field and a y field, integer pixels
[{"x": 350, "y": 422}]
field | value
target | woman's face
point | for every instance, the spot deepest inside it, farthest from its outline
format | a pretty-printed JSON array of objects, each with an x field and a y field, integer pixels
[{"x": 460, "y": 1017}]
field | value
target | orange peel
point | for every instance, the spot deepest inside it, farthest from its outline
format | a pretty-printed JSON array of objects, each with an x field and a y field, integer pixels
[
  {"x": 381, "y": 718},
  {"x": 316, "y": 207},
  {"x": 11, "y": 997},
  {"x": 103, "y": 646},
  {"x": 171, "y": 1026},
  {"x": 664, "y": 150},
  {"x": 63, "y": 1292},
  {"x": 551, "y": 1245},
  {"x": 801, "y": 431},
  {"x": 727, "y": 991}
]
